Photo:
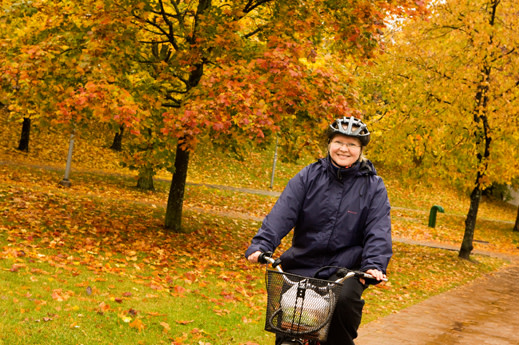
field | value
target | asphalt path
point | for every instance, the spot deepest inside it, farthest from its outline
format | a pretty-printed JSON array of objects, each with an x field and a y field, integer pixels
[{"x": 485, "y": 311}]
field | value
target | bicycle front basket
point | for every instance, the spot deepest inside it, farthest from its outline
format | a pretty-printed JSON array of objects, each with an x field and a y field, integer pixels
[{"x": 300, "y": 306}]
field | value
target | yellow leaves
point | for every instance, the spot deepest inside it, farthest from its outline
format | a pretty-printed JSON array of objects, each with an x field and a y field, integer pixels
[
  {"x": 130, "y": 317},
  {"x": 125, "y": 318}
]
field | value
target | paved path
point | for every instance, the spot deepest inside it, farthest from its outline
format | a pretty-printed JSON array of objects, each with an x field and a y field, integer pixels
[{"x": 485, "y": 311}]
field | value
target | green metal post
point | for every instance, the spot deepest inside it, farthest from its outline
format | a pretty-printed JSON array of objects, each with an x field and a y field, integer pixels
[{"x": 432, "y": 215}]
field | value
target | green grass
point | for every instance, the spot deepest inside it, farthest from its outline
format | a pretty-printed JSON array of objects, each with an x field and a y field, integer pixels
[{"x": 41, "y": 304}]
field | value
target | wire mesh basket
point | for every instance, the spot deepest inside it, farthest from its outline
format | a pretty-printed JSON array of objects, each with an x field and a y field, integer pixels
[{"x": 300, "y": 306}]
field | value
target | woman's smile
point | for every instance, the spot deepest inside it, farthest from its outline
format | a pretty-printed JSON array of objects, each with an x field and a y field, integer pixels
[{"x": 344, "y": 150}]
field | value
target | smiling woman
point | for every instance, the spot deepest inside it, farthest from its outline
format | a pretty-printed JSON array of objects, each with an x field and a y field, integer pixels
[
  {"x": 339, "y": 210},
  {"x": 347, "y": 137}
]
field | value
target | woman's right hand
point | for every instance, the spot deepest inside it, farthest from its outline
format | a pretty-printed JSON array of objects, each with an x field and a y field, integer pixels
[{"x": 254, "y": 257}]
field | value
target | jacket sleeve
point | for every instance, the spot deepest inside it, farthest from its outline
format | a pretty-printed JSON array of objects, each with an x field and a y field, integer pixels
[
  {"x": 377, "y": 232},
  {"x": 282, "y": 218}
]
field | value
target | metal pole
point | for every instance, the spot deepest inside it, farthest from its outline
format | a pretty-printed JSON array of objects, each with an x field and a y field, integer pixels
[
  {"x": 432, "y": 215},
  {"x": 66, "y": 182},
  {"x": 274, "y": 164}
]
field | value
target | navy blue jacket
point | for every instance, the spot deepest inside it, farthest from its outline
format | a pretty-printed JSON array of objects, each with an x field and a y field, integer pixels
[{"x": 340, "y": 218}]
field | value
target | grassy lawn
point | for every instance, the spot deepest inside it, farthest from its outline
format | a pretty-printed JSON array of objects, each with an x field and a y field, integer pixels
[{"x": 93, "y": 265}]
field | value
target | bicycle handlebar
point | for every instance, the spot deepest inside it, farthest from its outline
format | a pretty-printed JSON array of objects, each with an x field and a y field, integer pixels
[{"x": 266, "y": 258}]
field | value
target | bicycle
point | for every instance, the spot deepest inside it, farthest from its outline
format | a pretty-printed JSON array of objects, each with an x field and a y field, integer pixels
[{"x": 301, "y": 308}]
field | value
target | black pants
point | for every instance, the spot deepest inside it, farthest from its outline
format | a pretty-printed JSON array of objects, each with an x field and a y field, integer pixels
[{"x": 347, "y": 316}]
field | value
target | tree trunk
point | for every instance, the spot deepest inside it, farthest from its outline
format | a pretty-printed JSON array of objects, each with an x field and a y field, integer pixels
[
  {"x": 176, "y": 192},
  {"x": 470, "y": 224},
  {"x": 516, "y": 226},
  {"x": 145, "y": 181},
  {"x": 117, "y": 145},
  {"x": 23, "y": 144},
  {"x": 483, "y": 139}
]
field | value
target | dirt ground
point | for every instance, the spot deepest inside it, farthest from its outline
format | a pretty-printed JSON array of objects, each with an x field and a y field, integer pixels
[{"x": 485, "y": 311}]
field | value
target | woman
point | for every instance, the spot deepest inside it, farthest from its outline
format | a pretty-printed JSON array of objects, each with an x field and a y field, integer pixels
[{"x": 339, "y": 210}]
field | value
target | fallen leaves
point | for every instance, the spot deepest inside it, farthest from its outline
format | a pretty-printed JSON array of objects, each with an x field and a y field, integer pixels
[
  {"x": 102, "y": 308},
  {"x": 60, "y": 295},
  {"x": 166, "y": 326},
  {"x": 46, "y": 318},
  {"x": 137, "y": 324},
  {"x": 15, "y": 268},
  {"x": 103, "y": 247},
  {"x": 178, "y": 291},
  {"x": 184, "y": 322}
]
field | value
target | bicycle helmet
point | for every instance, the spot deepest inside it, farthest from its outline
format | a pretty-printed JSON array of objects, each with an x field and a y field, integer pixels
[{"x": 351, "y": 127}]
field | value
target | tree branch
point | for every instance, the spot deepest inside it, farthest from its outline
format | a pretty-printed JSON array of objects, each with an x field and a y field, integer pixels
[
  {"x": 252, "y": 33},
  {"x": 251, "y": 5}
]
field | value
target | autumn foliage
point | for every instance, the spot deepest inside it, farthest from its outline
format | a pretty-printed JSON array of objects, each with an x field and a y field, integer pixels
[
  {"x": 183, "y": 71},
  {"x": 443, "y": 96}
]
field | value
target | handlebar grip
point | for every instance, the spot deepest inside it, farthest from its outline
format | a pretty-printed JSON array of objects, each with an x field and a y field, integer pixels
[
  {"x": 262, "y": 258},
  {"x": 369, "y": 276}
]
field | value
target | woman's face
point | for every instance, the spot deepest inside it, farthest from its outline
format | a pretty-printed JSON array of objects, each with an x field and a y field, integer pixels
[{"x": 344, "y": 150}]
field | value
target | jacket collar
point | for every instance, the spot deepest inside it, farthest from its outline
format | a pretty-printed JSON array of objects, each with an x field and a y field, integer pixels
[{"x": 360, "y": 168}]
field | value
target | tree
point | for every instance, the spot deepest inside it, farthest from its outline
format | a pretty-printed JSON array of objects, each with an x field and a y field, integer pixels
[
  {"x": 189, "y": 70},
  {"x": 257, "y": 74},
  {"x": 54, "y": 69},
  {"x": 449, "y": 97},
  {"x": 117, "y": 144},
  {"x": 25, "y": 135},
  {"x": 516, "y": 225}
]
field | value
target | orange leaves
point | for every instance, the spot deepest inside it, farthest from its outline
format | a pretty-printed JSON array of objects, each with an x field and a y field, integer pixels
[
  {"x": 190, "y": 277},
  {"x": 137, "y": 324},
  {"x": 106, "y": 101},
  {"x": 221, "y": 311},
  {"x": 178, "y": 291},
  {"x": 103, "y": 307},
  {"x": 184, "y": 322},
  {"x": 60, "y": 295},
  {"x": 165, "y": 326},
  {"x": 16, "y": 267}
]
